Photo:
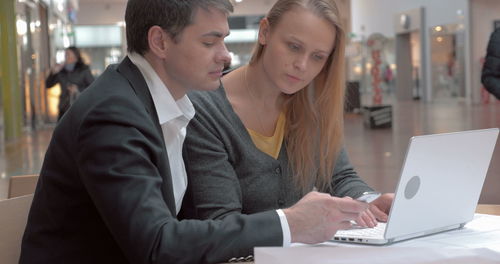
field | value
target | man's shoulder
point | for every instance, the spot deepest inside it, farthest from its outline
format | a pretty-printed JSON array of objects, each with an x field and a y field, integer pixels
[{"x": 110, "y": 90}]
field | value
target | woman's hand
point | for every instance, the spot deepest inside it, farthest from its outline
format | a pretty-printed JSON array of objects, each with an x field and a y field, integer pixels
[
  {"x": 73, "y": 89},
  {"x": 377, "y": 212},
  {"x": 57, "y": 68}
]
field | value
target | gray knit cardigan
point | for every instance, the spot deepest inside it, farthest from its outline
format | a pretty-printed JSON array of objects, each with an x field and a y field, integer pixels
[{"x": 228, "y": 174}]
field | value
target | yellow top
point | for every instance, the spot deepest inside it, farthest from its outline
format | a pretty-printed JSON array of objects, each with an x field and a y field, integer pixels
[{"x": 270, "y": 145}]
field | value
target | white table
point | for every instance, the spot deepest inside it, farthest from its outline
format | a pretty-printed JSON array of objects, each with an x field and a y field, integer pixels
[{"x": 478, "y": 242}]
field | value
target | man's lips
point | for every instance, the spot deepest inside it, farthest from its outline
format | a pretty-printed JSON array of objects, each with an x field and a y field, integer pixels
[{"x": 217, "y": 73}]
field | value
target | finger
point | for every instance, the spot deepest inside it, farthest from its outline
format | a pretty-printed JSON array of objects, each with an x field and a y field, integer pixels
[
  {"x": 343, "y": 216},
  {"x": 365, "y": 220},
  {"x": 370, "y": 219},
  {"x": 351, "y": 206},
  {"x": 378, "y": 214},
  {"x": 361, "y": 222}
]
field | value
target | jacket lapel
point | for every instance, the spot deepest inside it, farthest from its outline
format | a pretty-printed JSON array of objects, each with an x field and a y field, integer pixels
[{"x": 135, "y": 78}]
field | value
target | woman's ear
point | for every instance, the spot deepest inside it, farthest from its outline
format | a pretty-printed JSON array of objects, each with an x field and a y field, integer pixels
[
  {"x": 264, "y": 31},
  {"x": 158, "y": 41}
]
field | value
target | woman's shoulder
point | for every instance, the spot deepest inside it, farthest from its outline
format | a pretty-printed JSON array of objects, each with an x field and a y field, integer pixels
[
  {"x": 215, "y": 98},
  {"x": 81, "y": 67}
]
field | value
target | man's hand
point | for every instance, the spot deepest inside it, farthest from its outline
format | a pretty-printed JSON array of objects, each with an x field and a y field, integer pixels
[
  {"x": 378, "y": 211},
  {"x": 318, "y": 216}
]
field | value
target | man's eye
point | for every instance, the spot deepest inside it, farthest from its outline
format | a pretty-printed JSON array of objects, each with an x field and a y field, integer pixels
[{"x": 208, "y": 44}]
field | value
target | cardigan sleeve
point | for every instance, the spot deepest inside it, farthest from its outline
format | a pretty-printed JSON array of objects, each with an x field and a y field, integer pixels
[
  {"x": 214, "y": 188},
  {"x": 345, "y": 180},
  {"x": 228, "y": 175}
]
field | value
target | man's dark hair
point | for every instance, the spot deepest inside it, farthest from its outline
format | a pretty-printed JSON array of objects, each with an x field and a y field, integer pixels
[{"x": 171, "y": 15}]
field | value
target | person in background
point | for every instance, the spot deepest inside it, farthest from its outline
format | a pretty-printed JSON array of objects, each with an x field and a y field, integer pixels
[
  {"x": 388, "y": 78},
  {"x": 491, "y": 69},
  {"x": 273, "y": 131},
  {"x": 73, "y": 77},
  {"x": 113, "y": 177}
]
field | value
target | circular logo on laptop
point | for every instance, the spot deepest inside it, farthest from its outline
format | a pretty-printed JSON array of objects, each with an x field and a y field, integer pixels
[{"x": 412, "y": 187}]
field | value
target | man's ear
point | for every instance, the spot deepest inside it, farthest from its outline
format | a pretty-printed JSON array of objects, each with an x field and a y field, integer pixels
[
  {"x": 264, "y": 31},
  {"x": 158, "y": 41}
]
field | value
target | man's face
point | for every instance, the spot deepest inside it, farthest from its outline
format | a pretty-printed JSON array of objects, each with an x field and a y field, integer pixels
[{"x": 196, "y": 60}]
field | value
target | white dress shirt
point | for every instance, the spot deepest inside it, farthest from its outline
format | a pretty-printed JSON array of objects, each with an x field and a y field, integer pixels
[{"x": 174, "y": 117}]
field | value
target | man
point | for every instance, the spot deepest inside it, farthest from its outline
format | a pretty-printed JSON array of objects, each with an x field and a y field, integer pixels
[
  {"x": 491, "y": 69},
  {"x": 113, "y": 177}
]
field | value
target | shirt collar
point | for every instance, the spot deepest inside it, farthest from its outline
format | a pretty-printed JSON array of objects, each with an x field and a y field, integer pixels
[{"x": 166, "y": 107}]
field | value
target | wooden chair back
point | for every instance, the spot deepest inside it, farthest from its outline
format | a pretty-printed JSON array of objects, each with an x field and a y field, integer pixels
[
  {"x": 22, "y": 185},
  {"x": 13, "y": 218}
]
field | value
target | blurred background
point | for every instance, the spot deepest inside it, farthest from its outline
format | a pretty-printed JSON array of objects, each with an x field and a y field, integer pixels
[{"x": 420, "y": 59}]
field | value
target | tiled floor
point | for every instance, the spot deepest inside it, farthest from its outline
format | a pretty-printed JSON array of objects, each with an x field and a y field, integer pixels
[
  {"x": 23, "y": 156},
  {"x": 376, "y": 154}
]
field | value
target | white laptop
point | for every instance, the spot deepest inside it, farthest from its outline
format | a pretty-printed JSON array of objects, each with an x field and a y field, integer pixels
[{"x": 438, "y": 189}]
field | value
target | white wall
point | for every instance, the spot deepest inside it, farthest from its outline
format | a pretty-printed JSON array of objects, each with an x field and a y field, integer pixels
[
  {"x": 377, "y": 15},
  {"x": 100, "y": 13},
  {"x": 253, "y": 7},
  {"x": 483, "y": 13},
  {"x": 92, "y": 12}
]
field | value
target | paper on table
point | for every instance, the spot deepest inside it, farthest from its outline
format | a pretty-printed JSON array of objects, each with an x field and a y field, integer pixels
[
  {"x": 373, "y": 255},
  {"x": 482, "y": 232},
  {"x": 478, "y": 242}
]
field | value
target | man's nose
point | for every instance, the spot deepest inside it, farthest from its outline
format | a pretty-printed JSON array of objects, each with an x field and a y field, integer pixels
[{"x": 223, "y": 55}]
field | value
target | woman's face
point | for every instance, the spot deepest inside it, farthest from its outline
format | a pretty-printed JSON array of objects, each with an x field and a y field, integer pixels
[
  {"x": 296, "y": 49},
  {"x": 69, "y": 57}
]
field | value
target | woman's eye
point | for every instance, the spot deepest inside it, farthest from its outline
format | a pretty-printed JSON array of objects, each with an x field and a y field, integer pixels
[
  {"x": 293, "y": 46},
  {"x": 318, "y": 57}
]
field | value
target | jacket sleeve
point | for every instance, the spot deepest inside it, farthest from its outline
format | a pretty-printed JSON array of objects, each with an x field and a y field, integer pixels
[
  {"x": 118, "y": 152},
  {"x": 345, "y": 180},
  {"x": 88, "y": 78},
  {"x": 490, "y": 76},
  {"x": 51, "y": 80}
]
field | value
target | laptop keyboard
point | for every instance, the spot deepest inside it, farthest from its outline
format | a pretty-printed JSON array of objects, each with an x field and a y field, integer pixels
[{"x": 361, "y": 232}]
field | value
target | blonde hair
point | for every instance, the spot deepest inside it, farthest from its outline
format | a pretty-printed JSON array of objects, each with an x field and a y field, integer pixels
[{"x": 314, "y": 115}]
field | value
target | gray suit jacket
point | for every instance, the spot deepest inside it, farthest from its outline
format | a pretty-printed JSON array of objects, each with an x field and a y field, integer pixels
[
  {"x": 229, "y": 175},
  {"x": 105, "y": 190}
]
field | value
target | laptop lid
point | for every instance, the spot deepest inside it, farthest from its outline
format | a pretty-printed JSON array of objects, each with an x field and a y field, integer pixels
[{"x": 440, "y": 182}]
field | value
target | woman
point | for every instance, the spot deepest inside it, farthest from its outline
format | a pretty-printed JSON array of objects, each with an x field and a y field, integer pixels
[
  {"x": 274, "y": 130},
  {"x": 73, "y": 77}
]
